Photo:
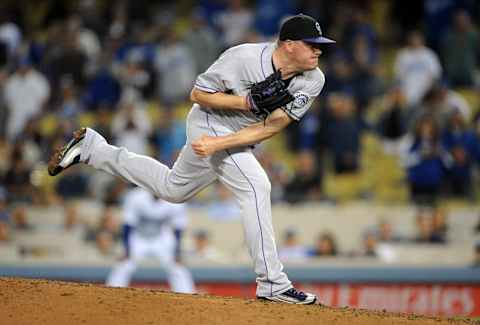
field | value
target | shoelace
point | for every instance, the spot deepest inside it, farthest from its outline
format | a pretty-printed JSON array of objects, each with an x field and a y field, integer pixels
[{"x": 295, "y": 292}]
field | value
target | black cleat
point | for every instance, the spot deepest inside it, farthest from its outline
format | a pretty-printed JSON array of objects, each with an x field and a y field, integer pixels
[
  {"x": 293, "y": 296},
  {"x": 68, "y": 155}
]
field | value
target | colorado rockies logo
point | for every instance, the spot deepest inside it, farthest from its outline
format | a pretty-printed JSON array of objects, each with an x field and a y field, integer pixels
[
  {"x": 317, "y": 25},
  {"x": 300, "y": 100}
]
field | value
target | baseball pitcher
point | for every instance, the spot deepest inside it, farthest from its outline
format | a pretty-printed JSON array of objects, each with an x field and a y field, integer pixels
[{"x": 249, "y": 94}]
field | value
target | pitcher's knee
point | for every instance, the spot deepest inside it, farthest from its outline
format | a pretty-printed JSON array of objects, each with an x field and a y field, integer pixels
[
  {"x": 173, "y": 196},
  {"x": 176, "y": 199}
]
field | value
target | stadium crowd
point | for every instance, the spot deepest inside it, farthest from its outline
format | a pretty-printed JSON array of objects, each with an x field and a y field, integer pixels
[{"x": 406, "y": 73}]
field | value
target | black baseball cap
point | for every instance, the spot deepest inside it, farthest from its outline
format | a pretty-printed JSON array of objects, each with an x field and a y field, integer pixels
[{"x": 303, "y": 28}]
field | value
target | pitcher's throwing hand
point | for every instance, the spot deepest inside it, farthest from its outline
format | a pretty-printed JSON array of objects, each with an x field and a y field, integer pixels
[{"x": 205, "y": 146}]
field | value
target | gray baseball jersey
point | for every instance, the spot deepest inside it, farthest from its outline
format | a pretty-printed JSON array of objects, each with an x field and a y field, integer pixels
[
  {"x": 236, "y": 168},
  {"x": 241, "y": 65}
]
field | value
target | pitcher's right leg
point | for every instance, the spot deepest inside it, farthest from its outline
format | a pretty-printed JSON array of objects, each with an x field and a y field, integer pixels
[{"x": 188, "y": 176}]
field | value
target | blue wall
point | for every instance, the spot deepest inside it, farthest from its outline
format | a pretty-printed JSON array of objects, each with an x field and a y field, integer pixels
[{"x": 246, "y": 275}]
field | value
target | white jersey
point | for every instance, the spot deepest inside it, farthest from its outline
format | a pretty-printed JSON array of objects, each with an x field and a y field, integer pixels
[
  {"x": 150, "y": 216},
  {"x": 244, "y": 64},
  {"x": 152, "y": 236}
]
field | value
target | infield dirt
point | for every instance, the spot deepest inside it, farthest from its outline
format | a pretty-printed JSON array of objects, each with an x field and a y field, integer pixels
[{"x": 44, "y": 302}]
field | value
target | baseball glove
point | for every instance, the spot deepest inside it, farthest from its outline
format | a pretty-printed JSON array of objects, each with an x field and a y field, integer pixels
[{"x": 266, "y": 96}]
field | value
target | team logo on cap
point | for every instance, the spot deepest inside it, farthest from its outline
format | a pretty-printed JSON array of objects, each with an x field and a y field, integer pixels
[
  {"x": 300, "y": 100},
  {"x": 317, "y": 25}
]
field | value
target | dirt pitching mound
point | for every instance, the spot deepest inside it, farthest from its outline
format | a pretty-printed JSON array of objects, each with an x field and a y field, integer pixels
[{"x": 37, "y": 302}]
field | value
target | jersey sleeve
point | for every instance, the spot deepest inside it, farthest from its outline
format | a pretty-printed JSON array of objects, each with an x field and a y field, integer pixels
[
  {"x": 215, "y": 79},
  {"x": 304, "y": 97}
]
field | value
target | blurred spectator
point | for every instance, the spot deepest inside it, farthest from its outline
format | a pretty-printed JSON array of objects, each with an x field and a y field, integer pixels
[
  {"x": 69, "y": 105},
  {"x": 424, "y": 162},
  {"x": 10, "y": 33},
  {"x": 175, "y": 68},
  {"x": 460, "y": 50},
  {"x": 65, "y": 58},
  {"x": 359, "y": 29},
  {"x": 3, "y": 60},
  {"x": 308, "y": 132},
  {"x": 203, "y": 251},
  {"x": 17, "y": 178},
  {"x": 438, "y": 17},
  {"x": 325, "y": 245},
  {"x": 5, "y": 232},
  {"x": 234, "y": 23},
  {"x": 20, "y": 222},
  {"x": 476, "y": 131},
  {"x": 304, "y": 134},
  {"x": 7, "y": 243},
  {"x": 203, "y": 43},
  {"x": 3, "y": 203},
  {"x": 392, "y": 121},
  {"x": 417, "y": 68},
  {"x": 404, "y": 16},
  {"x": 291, "y": 250},
  {"x": 103, "y": 89},
  {"x": 276, "y": 170},
  {"x": 269, "y": 14},
  {"x": 72, "y": 185},
  {"x": 73, "y": 225},
  {"x": 426, "y": 233},
  {"x": 223, "y": 206},
  {"x": 105, "y": 245},
  {"x": 386, "y": 233},
  {"x": 26, "y": 91},
  {"x": 476, "y": 256},
  {"x": 477, "y": 227},
  {"x": 86, "y": 40},
  {"x": 373, "y": 247},
  {"x": 119, "y": 21},
  {"x": 440, "y": 102},
  {"x": 168, "y": 136},
  {"x": 114, "y": 191},
  {"x": 131, "y": 125},
  {"x": 440, "y": 225},
  {"x": 5, "y": 151},
  {"x": 108, "y": 222},
  {"x": 33, "y": 142},
  {"x": 367, "y": 81},
  {"x": 133, "y": 74},
  {"x": 306, "y": 184},
  {"x": 4, "y": 217},
  {"x": 343, "y": 127},
  {"x": 340, "y": 74},
  {"x": 460, "y": 143},
  {"x": 317, "y": 9},
  {"x": 370, "y": 243},
  {"x": 103, "y": 121}
]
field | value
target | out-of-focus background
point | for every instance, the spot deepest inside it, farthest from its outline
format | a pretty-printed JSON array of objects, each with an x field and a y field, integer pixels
[{"x": 375, "y": 192}]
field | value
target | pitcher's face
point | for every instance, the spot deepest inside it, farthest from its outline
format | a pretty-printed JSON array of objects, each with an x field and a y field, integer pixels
[{"x": 305, "y": 55}]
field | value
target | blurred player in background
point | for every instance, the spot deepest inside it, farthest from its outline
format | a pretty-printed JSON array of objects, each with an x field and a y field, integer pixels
[{"x": 148, "y": 231}]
